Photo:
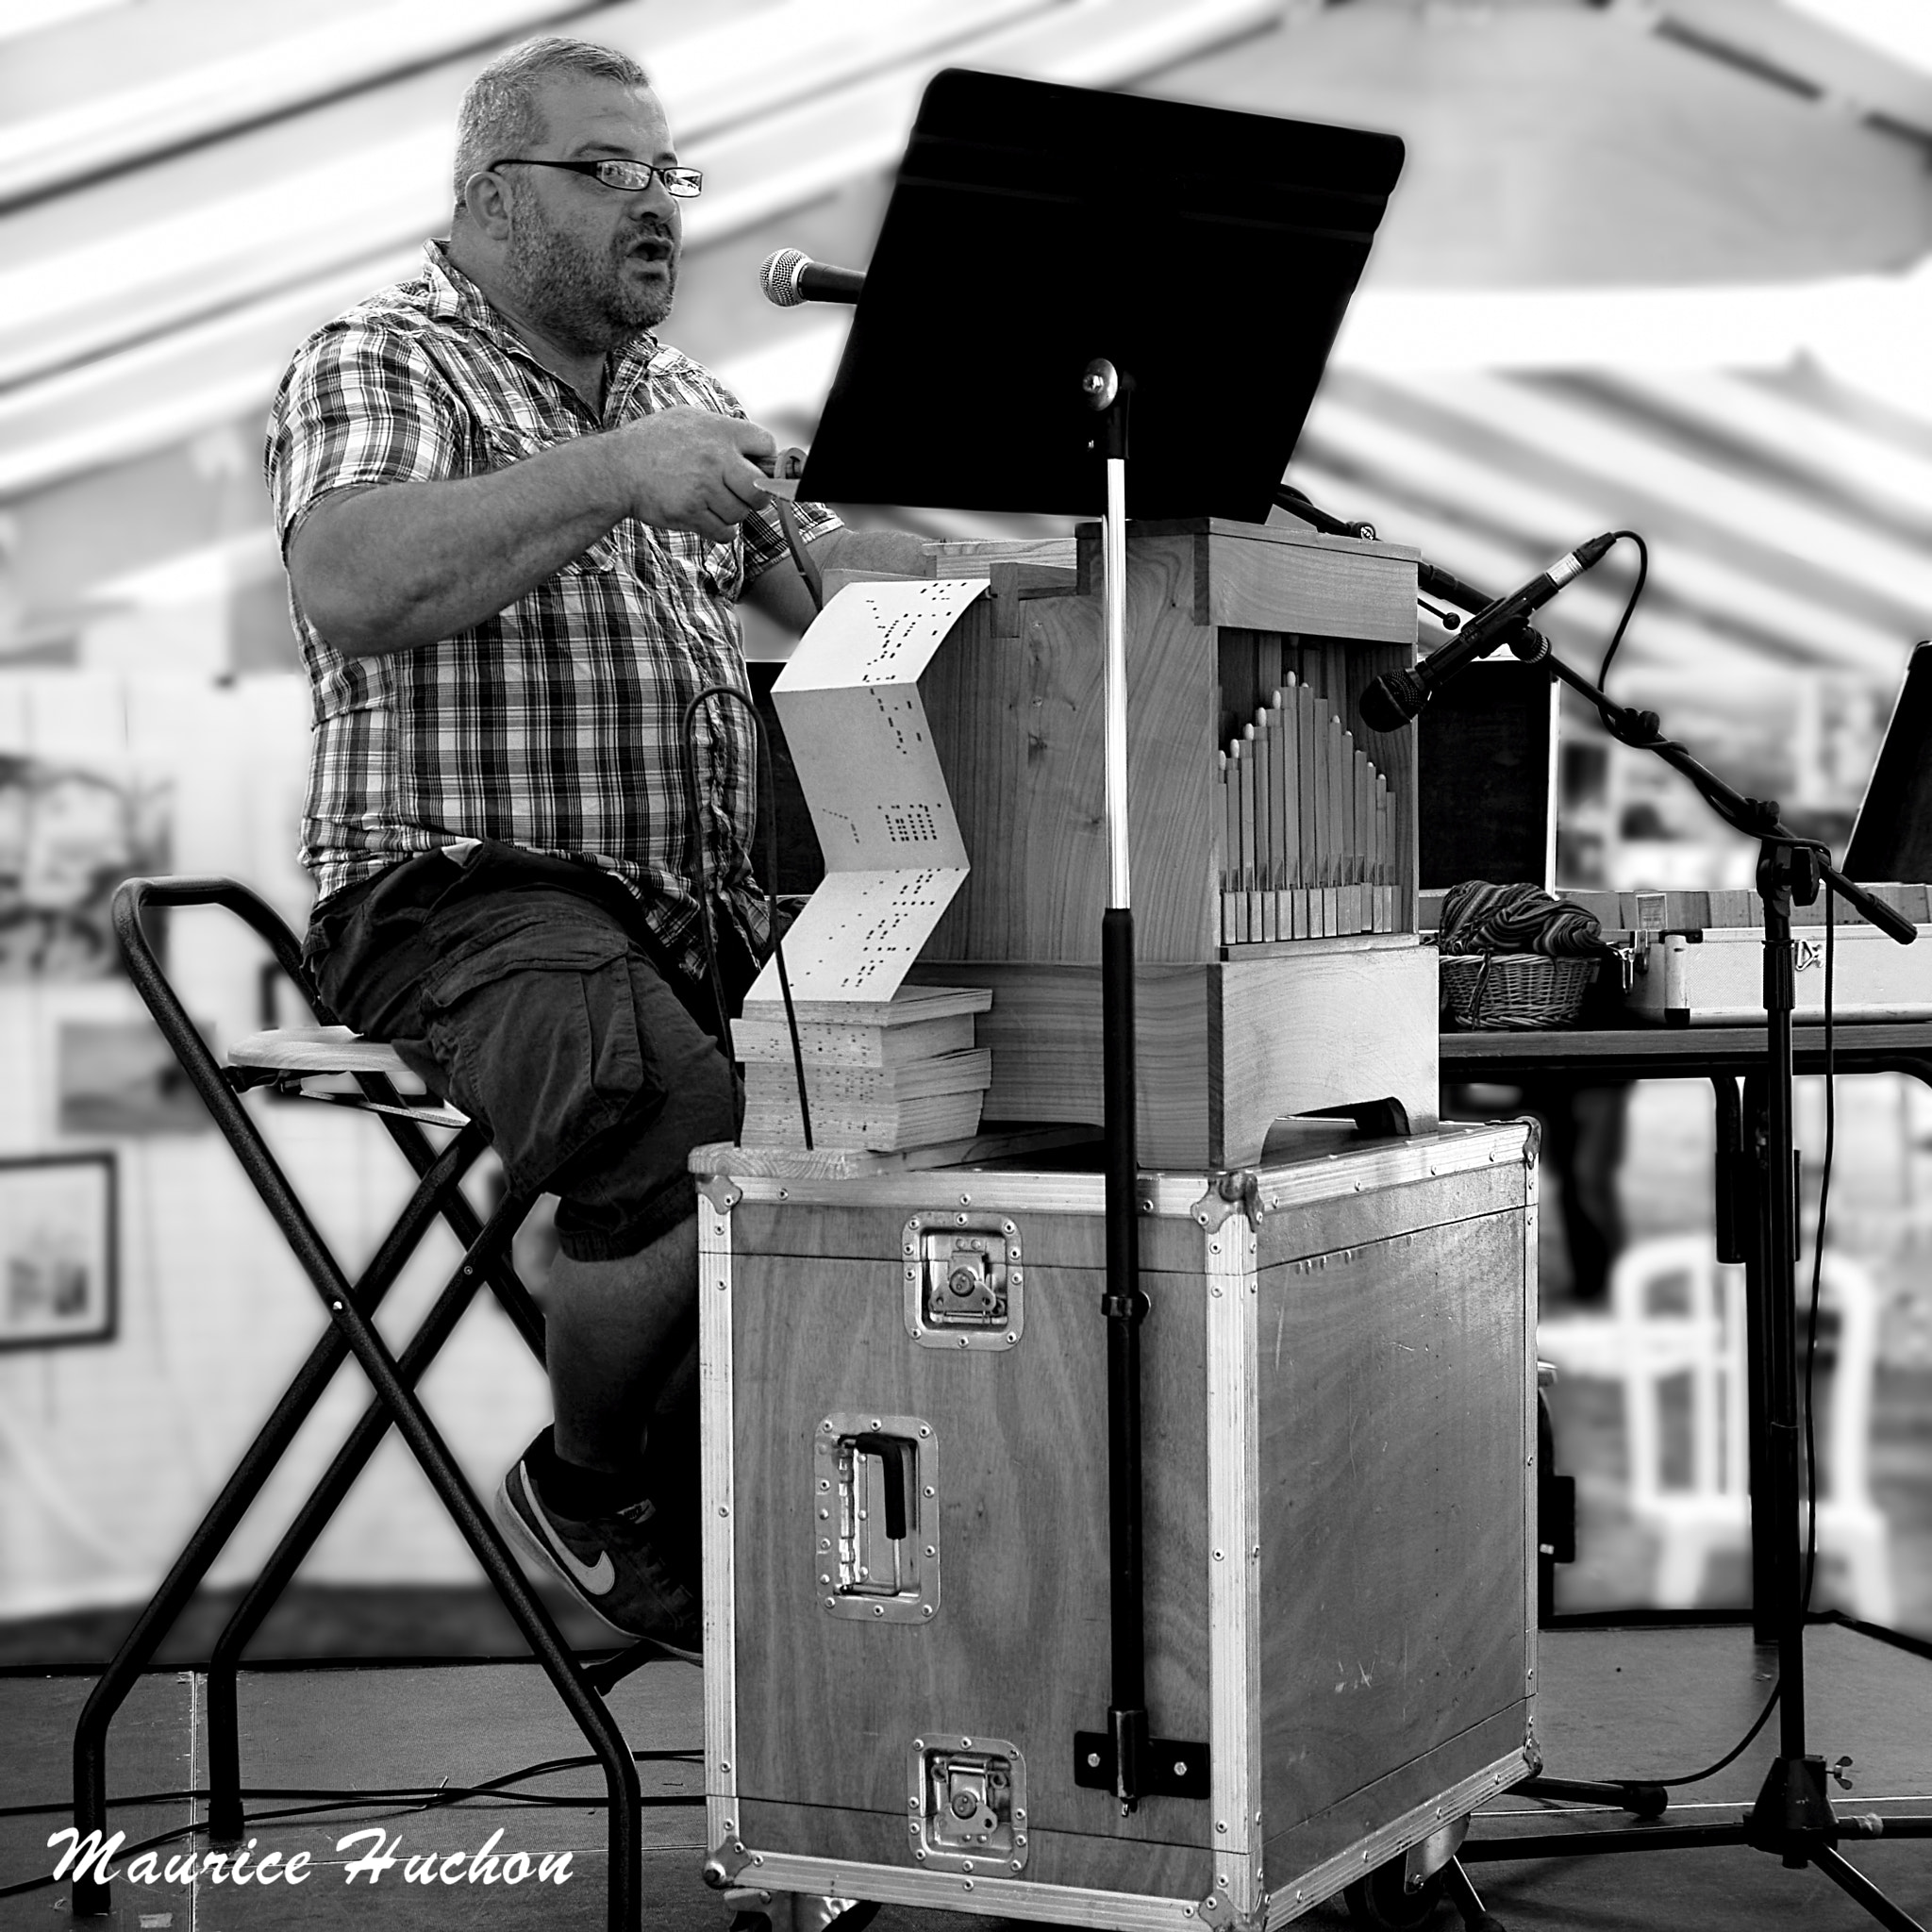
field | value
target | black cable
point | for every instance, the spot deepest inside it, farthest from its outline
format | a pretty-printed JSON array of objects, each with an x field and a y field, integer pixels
[
  {"x": 1743, "y": 1743},
  {"x": 402, "y": 1793},
  {"x": 704, "y": 920},
  {"x": 1629, "y": 602},
  {"x": 1730, "y": 1757},
  {"x": 801, "y": 559},
  {"x": 694, "y": 811},
  {"x": 1817, "y": 1253},
  {"x": 1811, "y": 1345},
  {"x": 815, "y": 588},
  {"x": 1811, "y": 1348}
]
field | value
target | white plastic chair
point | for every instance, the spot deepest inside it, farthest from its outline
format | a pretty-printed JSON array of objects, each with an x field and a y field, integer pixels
[{"x": 1676, "y": 1312}]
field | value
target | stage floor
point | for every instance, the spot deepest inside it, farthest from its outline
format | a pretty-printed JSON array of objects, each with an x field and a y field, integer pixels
[{"x": 1640, "y": 1702}]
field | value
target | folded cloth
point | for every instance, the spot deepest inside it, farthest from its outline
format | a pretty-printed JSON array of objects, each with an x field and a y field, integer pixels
[{"x": 1479, "y": 917}]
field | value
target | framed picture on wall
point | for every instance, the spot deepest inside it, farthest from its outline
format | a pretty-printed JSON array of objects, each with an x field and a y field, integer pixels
[
  {"x": 56, "y": 1250},
  {"x": 69, "y": 832}
]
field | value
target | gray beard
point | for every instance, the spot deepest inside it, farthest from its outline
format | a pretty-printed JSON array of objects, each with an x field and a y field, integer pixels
[{"x": 577, "y": 297}]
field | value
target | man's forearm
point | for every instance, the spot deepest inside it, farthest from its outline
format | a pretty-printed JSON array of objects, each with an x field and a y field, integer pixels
[
  {"x": 780, "y": 593},
  {"x": 405, "y": 564},
  {"x": 895, "y": 553}
]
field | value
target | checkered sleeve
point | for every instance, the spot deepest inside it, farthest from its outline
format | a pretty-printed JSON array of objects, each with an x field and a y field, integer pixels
[
  {"x": 764, "y": 536},
  {"x": 361, "y": 405}
]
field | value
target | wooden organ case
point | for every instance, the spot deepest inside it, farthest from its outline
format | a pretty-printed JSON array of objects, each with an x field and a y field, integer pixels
[{"x": 1241, "y": 1018}]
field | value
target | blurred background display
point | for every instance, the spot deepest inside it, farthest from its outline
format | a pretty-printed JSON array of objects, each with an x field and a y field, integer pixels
[{"x": 1657, "y": 264}]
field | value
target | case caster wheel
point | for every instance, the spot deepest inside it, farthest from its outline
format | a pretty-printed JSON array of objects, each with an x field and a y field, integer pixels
[
  {"x": 1383, "y": 1901},
  {"x": 1395, "y": 1898},
  {"x": 792, "y": 1913}
]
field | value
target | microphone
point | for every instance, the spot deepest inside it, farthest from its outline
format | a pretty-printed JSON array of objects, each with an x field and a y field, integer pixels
[
  {"x": 1395, "y": 697},
  {"x": 792, "y": 276}
]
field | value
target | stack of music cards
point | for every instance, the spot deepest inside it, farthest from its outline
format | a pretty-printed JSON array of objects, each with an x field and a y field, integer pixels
[{"x": 881, "y": 1074}]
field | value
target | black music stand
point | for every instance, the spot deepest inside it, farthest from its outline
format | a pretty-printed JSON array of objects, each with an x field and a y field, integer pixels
[
  {"x": 1208, "y": 254},
  {"x": 1050, "y": 256}
]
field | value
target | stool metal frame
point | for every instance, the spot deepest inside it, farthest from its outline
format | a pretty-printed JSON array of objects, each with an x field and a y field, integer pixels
[{"x": 350, "y": 1306}]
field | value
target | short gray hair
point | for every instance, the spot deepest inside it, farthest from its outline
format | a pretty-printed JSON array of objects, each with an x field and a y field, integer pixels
[{"x": 501, "y": 114}]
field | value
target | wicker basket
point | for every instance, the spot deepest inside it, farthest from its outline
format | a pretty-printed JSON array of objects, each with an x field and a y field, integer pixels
[{"x": 1513, "y": 991}]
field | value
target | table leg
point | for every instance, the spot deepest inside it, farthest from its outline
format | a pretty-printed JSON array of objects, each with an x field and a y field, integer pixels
[
  {"x": 1736, "y": 1195},
  {"x": 1754, "y": 1199}
]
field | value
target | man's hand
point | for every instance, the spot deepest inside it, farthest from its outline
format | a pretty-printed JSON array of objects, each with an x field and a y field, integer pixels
[{"x": 687, "y": 468}]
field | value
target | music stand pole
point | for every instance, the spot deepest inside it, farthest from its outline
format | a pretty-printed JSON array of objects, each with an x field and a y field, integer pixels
[{"x": 1108, "y": 393}]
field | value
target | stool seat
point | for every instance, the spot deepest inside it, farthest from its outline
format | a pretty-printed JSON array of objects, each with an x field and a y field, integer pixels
[
  {"x": 297, "y": 1053},
  {"x": 317, "y": 1050}
]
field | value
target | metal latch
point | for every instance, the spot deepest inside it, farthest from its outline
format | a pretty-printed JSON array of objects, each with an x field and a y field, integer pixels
[
  {"x": 966, "y": 1805},
  {"x": 876, "y": 1519},
  {"x": 964, "y": 1282}
]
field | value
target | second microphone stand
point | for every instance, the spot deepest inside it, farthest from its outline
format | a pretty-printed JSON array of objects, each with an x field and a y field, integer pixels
[{"x": 1793, "y": 1817}]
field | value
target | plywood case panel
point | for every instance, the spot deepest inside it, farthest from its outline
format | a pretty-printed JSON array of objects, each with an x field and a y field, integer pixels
[
  {"x": 828, "y": 1707},
  {"x": 1392, "y": 1457}
]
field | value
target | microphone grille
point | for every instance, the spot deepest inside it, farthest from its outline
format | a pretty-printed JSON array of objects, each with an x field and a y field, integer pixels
[
  {"x": 779, "y": 276},
  {"x": 1391, "y": 701}
]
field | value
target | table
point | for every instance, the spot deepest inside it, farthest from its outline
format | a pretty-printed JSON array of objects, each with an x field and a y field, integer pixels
[
  {"x": 1721, "y": 1055},
  {"x": 1677, "y": 1052}
]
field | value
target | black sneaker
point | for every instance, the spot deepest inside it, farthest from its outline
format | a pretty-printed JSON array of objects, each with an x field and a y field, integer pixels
[{"x": 613, "y": 1564}]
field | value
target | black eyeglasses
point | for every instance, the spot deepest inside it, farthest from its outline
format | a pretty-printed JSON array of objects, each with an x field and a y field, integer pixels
[{"x": 630, "y": 177}]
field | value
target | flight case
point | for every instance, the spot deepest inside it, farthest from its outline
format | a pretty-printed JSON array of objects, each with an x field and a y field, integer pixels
[{"x": 906, "y": 1561}]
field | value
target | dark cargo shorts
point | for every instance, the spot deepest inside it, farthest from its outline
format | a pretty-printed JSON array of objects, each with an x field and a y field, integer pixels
[{"x": 528, "y": 992}]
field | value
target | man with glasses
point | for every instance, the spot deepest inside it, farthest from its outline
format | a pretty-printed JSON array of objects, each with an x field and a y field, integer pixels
[{"x": 516, "y": 524}]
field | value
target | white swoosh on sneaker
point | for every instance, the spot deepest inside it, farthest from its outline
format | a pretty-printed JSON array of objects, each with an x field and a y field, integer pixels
[{"x": 598, "y": 1578}]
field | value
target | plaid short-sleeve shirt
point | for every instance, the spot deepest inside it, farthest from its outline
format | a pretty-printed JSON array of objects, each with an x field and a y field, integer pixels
[{"x": 556, "y": 725}]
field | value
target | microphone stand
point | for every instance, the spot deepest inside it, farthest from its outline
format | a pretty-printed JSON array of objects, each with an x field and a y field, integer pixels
[{"x": 1793, "y": 1817}]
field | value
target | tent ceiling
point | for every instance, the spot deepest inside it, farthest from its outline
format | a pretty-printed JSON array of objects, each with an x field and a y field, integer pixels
[
  {"x": 1553, "y": 146},
  {"x": 1774, "y": 550}
]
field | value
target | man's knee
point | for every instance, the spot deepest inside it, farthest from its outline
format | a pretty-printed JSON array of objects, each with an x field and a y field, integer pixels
[{"x": 632, "y": 1184}]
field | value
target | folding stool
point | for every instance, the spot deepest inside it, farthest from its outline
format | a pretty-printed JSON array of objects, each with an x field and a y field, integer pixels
[{"x": 285, "y": 1060}]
